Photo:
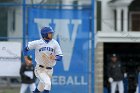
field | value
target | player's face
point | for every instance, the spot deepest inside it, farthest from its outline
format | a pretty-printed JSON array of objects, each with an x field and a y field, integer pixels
[
  {"x": 50, "y": 35},
  {"x": 114, "y": 59}
]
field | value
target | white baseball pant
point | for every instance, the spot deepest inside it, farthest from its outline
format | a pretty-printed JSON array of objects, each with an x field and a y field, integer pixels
[
  {"x": 25, "y": 86},
  {"x": 114, "y": 86},
  {"x": 44, "y": 75},
  {"x": 137, "y": 89}
]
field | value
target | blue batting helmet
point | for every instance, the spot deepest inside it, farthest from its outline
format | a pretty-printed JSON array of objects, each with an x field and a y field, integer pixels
[{"x": 45, "y": 31}]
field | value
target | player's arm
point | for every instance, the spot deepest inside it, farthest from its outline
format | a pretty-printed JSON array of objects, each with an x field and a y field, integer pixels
[
  {"x": 22, "y": 70},
  {"x": 58, "y": 57},
  {"x": 25, "y": 53},
  {"x": 109, "y": 71},
  {"x": 58, "y": 52},
  {"x": 31, "y": 45}
]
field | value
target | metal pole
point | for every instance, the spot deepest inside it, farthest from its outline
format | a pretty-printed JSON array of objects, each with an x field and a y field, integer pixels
[
  {"x": 92, "y": 58},
  {"x": 24, "y": 23},
  {"x": 139, "y": 82}
]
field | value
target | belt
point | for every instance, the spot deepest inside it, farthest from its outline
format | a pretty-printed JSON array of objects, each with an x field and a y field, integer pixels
[{"x": 44, "y": 67}]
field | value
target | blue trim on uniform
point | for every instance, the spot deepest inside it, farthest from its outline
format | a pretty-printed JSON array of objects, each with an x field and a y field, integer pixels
[
  {"x": 36, "y": 91},
  {"x": 47, "y": 41},
  {"x": 45, "y": 91},
  {"x": 58, "y": 58},
  {"x": 25, "y": 51}
]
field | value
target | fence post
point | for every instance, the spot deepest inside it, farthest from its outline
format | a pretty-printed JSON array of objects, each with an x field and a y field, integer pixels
[
  {"x": 24, "y": 24},
  {"x": 92, "y": 58},
  {"x": 139, "y": 82}
]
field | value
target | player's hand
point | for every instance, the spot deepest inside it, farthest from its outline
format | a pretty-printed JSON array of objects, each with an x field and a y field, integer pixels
[
  {"x": 27, "y": 61},
  {"x": 125, "y": 75},
  {"x": 110, "y": 80},
  {"x": 52, "y": 57}
]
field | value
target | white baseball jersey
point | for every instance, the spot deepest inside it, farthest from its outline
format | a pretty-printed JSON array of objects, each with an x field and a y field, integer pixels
[{"x": 43, "y": 50}]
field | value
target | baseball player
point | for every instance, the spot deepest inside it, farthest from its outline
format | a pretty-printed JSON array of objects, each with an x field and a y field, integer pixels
[
  {"x": 27, "y": 77},
  {"x": 47, "y": 52},
  {"x": 116, "y": 74}
]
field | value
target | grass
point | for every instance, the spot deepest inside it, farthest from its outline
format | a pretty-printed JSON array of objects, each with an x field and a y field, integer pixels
[{"x": 9, "y": 90}]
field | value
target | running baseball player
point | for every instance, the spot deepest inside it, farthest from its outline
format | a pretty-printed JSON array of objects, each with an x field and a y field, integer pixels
[{"x": 47, "y": 52}]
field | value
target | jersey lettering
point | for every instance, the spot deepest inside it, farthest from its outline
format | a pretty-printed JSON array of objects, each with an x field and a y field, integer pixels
[{"x": 46, "y": 48}]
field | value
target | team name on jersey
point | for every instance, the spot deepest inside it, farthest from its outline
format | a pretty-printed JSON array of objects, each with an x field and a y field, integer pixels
[{"x": 46, "y": 48}]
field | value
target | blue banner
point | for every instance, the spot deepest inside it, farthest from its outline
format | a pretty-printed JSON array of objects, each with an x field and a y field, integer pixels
[{"x": 72, "y": 28}]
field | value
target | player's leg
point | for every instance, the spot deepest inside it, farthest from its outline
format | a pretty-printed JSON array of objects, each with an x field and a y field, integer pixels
[
  {"x": 121, "y": 87},
  {"x": 36, "y": 71},
  {"x": 137, "y": 89},
  {"x": 40, "y": 86},
  {"x": 32, "y": 87},
  {"x": 23, "y": 88},
  {"x": 113, "y": 87},
  {"x": 44, "y": 82},
  {"x": 47, "y": 82},
  {"x": 45, "y": 91},
  {"x": 44, "y": 77},
  {"x": 47, "y": 87},
  {"x": 36, "y": 91}
]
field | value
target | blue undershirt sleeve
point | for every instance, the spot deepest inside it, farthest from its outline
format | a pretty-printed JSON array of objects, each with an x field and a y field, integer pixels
[
  {"x": 58, "y": 58},
  {"x": 25, "y": 51}
]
